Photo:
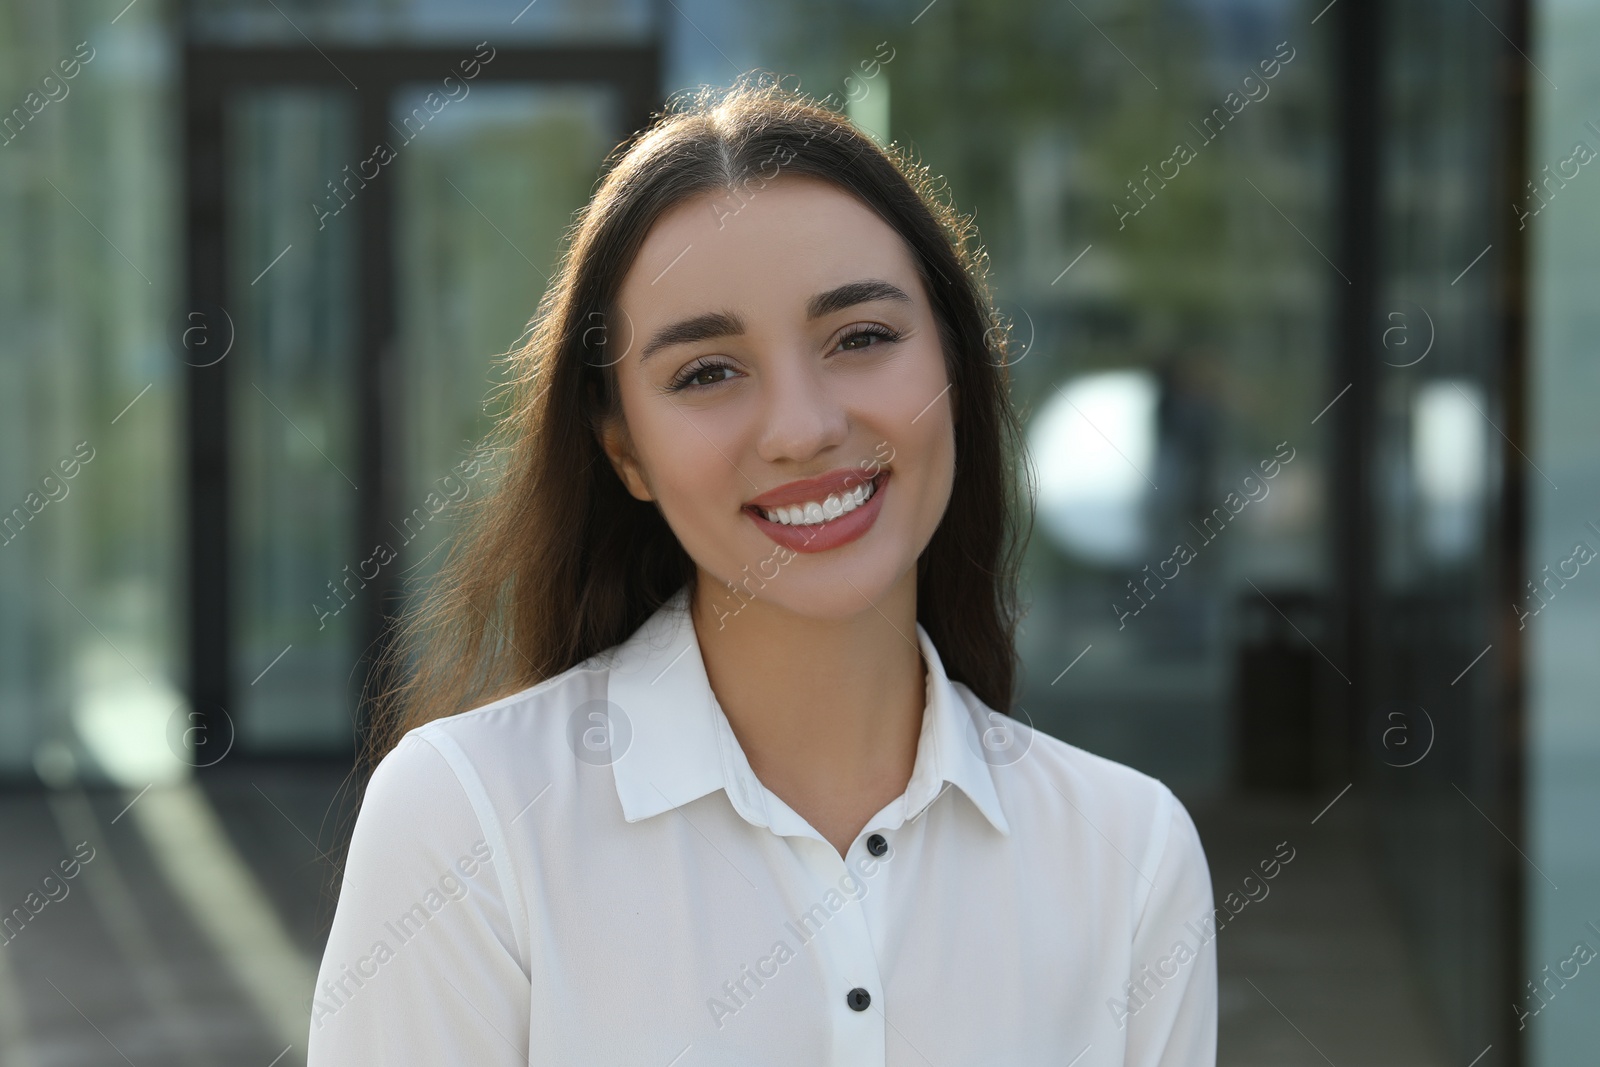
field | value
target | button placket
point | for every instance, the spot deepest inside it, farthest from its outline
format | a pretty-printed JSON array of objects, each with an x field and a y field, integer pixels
[{"x": 848, "y": 964}]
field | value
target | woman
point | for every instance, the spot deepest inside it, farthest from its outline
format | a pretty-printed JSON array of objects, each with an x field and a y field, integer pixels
[{"x": 736, "y": 617}]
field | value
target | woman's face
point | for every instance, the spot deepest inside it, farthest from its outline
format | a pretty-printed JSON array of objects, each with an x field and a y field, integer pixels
[{"x": 778, "y": 352}]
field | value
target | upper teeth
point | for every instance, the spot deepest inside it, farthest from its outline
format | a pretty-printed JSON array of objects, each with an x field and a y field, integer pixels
[{"x": 812, "y": 512}]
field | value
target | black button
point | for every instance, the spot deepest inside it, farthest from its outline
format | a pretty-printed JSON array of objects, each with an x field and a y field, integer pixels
[
  {"x": 858, "y": 999},
  {"x": 877, "y": 845}
]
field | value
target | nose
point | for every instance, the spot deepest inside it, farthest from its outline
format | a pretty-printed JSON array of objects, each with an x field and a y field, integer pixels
[{"x": 803, "y": 416}]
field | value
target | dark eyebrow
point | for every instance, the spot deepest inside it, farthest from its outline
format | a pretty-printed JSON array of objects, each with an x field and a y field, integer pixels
[
  {"x": 850, "y": 294},
  {"x": 727, "y": 324},
  {"x": 700, "y": 328}
]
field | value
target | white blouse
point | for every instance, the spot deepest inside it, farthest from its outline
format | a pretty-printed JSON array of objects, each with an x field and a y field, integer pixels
[{"x": 588, "y": 872}]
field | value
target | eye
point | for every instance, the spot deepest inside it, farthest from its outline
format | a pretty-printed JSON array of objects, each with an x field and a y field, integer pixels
[
  {"x": 865, "y": 334},
  {"x": 690, "y": 376}
]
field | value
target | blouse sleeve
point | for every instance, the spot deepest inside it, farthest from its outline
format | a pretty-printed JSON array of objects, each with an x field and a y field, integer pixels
[
  {"x": 421, "y": 965},
  {"x": 1171, "y": 1004}
]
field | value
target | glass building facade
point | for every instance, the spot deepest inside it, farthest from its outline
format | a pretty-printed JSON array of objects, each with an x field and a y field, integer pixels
[{"x": 1300, "y": 353}]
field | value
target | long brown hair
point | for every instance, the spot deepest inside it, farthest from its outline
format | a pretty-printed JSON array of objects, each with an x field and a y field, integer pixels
[{"x": 557, "y": 562}]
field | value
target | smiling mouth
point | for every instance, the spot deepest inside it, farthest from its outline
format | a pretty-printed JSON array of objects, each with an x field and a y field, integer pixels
[
  {"x": 840, "y": 517},
  {"x": 823, "y": 511}
]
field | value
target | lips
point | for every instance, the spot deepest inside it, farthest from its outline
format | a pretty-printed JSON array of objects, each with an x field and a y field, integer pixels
[{"x": 829, "y": 533}]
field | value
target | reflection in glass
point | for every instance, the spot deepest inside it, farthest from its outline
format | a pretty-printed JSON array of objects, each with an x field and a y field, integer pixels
[
  {"x": 90, "y": 493},
  {"x": 294, "y": 415},
  {"x": 486, "y": 193},
  {"x": 374, "y": 22},
  {"x": 1449, "y": 448},
  {"x": 1091, "y": 443},
  {"x": 1563, "y": 439}
]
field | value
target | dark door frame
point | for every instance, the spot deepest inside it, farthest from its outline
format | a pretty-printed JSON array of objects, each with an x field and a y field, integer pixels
[
  {"x": 212, "y": 75},
  {"x": 1365, "y": 53}
]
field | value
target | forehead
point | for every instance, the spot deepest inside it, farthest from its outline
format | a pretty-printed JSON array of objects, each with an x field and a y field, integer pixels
[{"x": 788, "y": 240}]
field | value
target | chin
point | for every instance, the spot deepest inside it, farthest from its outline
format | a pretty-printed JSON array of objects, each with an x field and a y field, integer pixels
[
  {"x": 834, "y": 585},
  {"x": 831, "y": 597}
]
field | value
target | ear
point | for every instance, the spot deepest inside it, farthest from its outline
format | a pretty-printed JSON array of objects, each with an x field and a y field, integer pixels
[{"x": 618, "y": 447}]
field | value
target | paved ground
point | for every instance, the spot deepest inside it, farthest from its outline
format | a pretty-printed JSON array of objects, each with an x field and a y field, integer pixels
[
  {"x": 192, "y": 934},
  {"x": 1315, "y": 972}
]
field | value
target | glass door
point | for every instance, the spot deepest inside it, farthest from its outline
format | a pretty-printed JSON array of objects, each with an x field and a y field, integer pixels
[
  {"x": 294, "y": 418},
  {"x": 482, "y": 202},
  {"x": 372, "y": 235}
]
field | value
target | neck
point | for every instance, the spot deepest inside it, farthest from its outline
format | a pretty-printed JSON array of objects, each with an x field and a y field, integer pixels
[{"x": 828, "y": 711}]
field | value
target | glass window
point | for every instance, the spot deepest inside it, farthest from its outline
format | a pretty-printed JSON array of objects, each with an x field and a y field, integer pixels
[
  {"x": 90, "y": 398},
  {"x": 1559, "y": 599},
  {"x": 379, "y": 22}
]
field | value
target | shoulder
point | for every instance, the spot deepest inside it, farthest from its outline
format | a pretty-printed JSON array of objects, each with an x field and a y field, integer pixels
[
  {"x": 1037, "y": 766},
  {"x": 1057, "y": 795},
  {"x": 488, "y": 763},
  {"x": 452, "y": 788},
  {"x": 460, "y": 777},
  {"x": 521, "y": 737}
]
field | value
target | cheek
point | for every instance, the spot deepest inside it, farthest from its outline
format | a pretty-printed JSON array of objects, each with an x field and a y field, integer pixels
[
  {"x": 919, "y": 411},
  {"x": 915, "y": 391},
  {"x": 911, "y": 409},
  {"x": 684, "y": 454},
  {"x": 936, "y": 452}
]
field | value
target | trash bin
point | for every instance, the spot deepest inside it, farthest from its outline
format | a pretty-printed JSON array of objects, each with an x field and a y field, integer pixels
[{"x": 1275, "y": 695}]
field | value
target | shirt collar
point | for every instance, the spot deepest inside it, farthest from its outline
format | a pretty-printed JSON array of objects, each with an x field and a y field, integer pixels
[{"x": 679, "y": 745}]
